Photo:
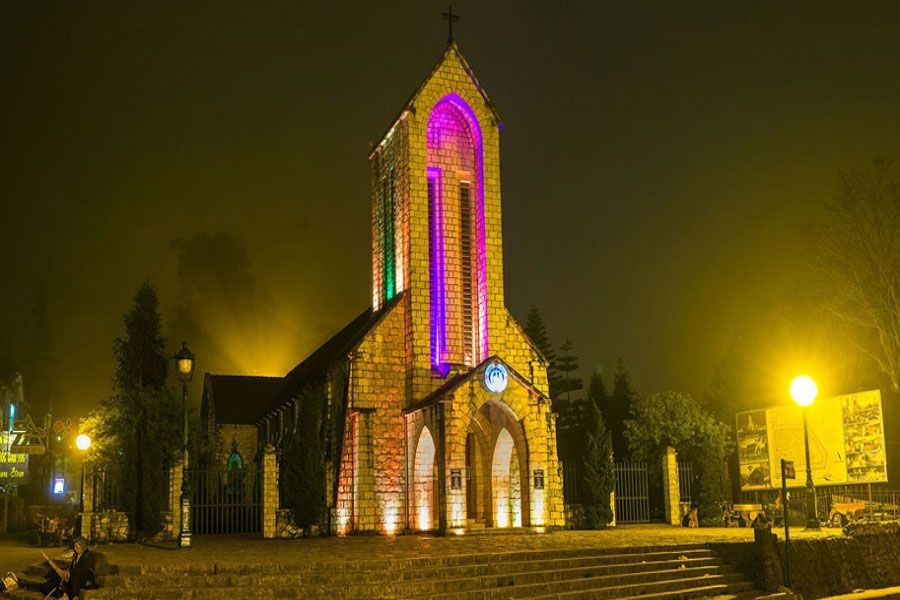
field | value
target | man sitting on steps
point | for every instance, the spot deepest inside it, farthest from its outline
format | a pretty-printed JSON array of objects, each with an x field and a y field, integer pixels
[{"x": 79, "y": 574}]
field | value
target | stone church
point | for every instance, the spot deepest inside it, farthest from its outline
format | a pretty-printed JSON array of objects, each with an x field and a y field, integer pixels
[{"x": 435, "y": 408}]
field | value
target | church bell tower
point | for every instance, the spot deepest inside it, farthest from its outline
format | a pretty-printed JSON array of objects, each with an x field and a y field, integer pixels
[{"x": 436, "y": 230}]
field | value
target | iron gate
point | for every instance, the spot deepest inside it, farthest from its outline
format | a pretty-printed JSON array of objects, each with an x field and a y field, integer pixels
[
  {"x": 632, "y": 493},
  {"x": 226, "y": 502}
]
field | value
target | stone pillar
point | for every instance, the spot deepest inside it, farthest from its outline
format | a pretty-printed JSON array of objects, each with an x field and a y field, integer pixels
[
  {"x": 365, "y": 473},
  {"x": 270, "y": 501},
  {"x": 671, "y": 492},
  {"x": 87, "y": 496}
]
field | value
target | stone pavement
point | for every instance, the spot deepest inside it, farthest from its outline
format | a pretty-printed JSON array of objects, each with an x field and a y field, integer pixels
[{"x": 251, "y": 551}]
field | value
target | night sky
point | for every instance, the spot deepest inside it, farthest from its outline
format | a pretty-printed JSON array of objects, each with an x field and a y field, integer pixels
[{"x": 660, "y": 163}]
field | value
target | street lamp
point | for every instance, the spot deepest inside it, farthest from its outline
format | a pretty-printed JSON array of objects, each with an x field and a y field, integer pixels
[
  {"x": 803, "y": 391},
  {"x": 83, "y": 443},
  {"x": 184, "y": 365}
]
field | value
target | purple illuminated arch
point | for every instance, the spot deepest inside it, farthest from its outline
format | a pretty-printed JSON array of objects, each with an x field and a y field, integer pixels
[{"x": 453, "y": 106}]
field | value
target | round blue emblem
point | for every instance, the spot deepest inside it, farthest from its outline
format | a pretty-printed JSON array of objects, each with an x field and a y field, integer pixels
[{"x": 495, "y": 378}]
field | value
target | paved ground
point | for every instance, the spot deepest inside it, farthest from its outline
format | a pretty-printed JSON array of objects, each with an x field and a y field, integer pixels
[{"x": 248, "y": 551}]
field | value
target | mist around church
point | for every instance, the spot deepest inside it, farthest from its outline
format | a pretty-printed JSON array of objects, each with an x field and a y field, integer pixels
[{"x": 440, "y": 396}]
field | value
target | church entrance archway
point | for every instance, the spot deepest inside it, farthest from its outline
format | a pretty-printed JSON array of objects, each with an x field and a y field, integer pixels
[
  {"x": 497, "y": 492},
  {"x": 425, "y": 483},
  {"x": 506, "y": 482}
]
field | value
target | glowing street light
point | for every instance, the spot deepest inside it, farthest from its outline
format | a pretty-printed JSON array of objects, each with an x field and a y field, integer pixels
[
  {"x": 804, "y": 391},
  {"x": 83, "y": 442}
]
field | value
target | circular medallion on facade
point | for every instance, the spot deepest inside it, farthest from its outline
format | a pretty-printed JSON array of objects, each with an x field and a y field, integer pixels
[{"x": 495, "y": 377}]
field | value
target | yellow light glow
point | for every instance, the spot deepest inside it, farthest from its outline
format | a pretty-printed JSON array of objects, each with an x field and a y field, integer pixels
[
  {"x": 185, "y": 366},
  {"x": 537, "y": 517},
  {"x": 83, "y": 442},
  {"x": 459, "y": 531},
  {"x": 503, "y": 514},
  {"x": 424, "y": 521},
  {"x": 804, "y": 390},
  {"x": 456, "y": 514},
  {"x": 343, "y": 518}
]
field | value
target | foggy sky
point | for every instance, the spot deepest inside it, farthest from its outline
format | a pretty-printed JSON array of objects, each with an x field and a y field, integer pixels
[{"x": 660, "y": 161}]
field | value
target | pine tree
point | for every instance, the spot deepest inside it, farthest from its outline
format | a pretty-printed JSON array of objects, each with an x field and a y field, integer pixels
[
  {"x": 567, "y": 364},
  {"x": 619, "y": 408},
  {"x": 597, "y": 391},
  {"x": 303, "y": 467},
  {"x": 140, "y": 425},
  {"x": 599, "y": 478},
  {"x": 535, "y": 329}
]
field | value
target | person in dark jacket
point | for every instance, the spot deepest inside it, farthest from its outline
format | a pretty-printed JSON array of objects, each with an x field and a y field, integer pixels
[{"x": 78, "y": 575}]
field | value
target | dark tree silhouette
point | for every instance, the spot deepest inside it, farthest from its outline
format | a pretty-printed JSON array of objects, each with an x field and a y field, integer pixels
[
  {"x": 138, "y": 430},
  {"x": 599, "y": 475},
  {"x": 857, "y": 248},
  {"x": 618, "y": 407},
  {"x": 567, "y": 365},
  {"x": 303, "y": 466},
  {"x": 536, "y": 330}
]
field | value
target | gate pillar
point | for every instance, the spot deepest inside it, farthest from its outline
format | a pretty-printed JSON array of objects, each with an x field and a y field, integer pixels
[
  {"x": 671, "y": 492},
  {"x": 87, "y": 500},
  {"x": 270, "y": 500}
]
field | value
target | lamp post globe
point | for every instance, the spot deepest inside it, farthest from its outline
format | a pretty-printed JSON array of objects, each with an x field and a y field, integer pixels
[
  {"x": 804, "y": 391},
  {"x": 184, "y": 368},
  {"x": 83, "y": 442}
]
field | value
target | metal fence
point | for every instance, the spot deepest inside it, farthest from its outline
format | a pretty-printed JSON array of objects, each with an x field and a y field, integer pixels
[
  {"x": 838, "y": 504},
  {"x": 571, "y": 482},
  {"x": 107, "y": 489},
  {"x": 685, "y": 479},
  {"x": 632, "y": 492},
  {"x": 226, "y": 502}
]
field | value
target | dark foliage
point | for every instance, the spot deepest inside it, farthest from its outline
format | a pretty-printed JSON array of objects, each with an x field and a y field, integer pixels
[
  {"x": 138, "y": 430},
  {"x": 617, "y": 407},
  {"x": 567, "y": 365},
  {"x": 537, "y": 331},
  {"x": 599, "y": 477},
  {"x": 303, "y": 468}
]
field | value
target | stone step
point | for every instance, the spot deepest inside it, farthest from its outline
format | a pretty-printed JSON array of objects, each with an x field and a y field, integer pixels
[
  {"x": 412, "y": 586},
  {"x": 600, "y": 565},
  {"x": 611, "y": 555},
  {"x": 601, "y": 588},
  {"x": 663, "y": 590},
  {"x": 706, "y": 590}
]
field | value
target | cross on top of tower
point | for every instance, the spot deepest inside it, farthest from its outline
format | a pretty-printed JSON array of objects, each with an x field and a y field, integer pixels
[{"x": 450, "y": 18}]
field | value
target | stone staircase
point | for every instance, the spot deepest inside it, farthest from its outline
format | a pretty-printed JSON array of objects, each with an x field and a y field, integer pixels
[{"x": 654, "y": 573}]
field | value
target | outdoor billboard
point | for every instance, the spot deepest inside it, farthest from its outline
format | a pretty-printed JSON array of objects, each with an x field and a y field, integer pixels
[{"x": 846, "y": 442}]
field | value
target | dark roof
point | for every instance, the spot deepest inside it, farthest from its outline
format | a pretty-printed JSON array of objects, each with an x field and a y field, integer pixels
[
  {"x": 327, "y": 355},
  {"x": 238, "y": 398}
]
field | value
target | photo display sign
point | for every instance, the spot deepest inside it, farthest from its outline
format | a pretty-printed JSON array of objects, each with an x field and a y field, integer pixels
[{"x": 846, "y": 442}]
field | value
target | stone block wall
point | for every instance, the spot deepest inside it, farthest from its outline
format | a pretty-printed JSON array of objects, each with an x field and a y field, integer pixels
[
  {"x": 821, "y": 567},
  {"x": 377, "y": 395},
  {"x": 106, "y": 526},
  {"x": 243, "y": 438}
]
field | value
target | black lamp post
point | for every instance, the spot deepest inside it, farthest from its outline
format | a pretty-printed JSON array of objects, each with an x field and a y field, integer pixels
[
  {"x": 184, "y": 366},
  {"x": 804, "y": 391}
]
